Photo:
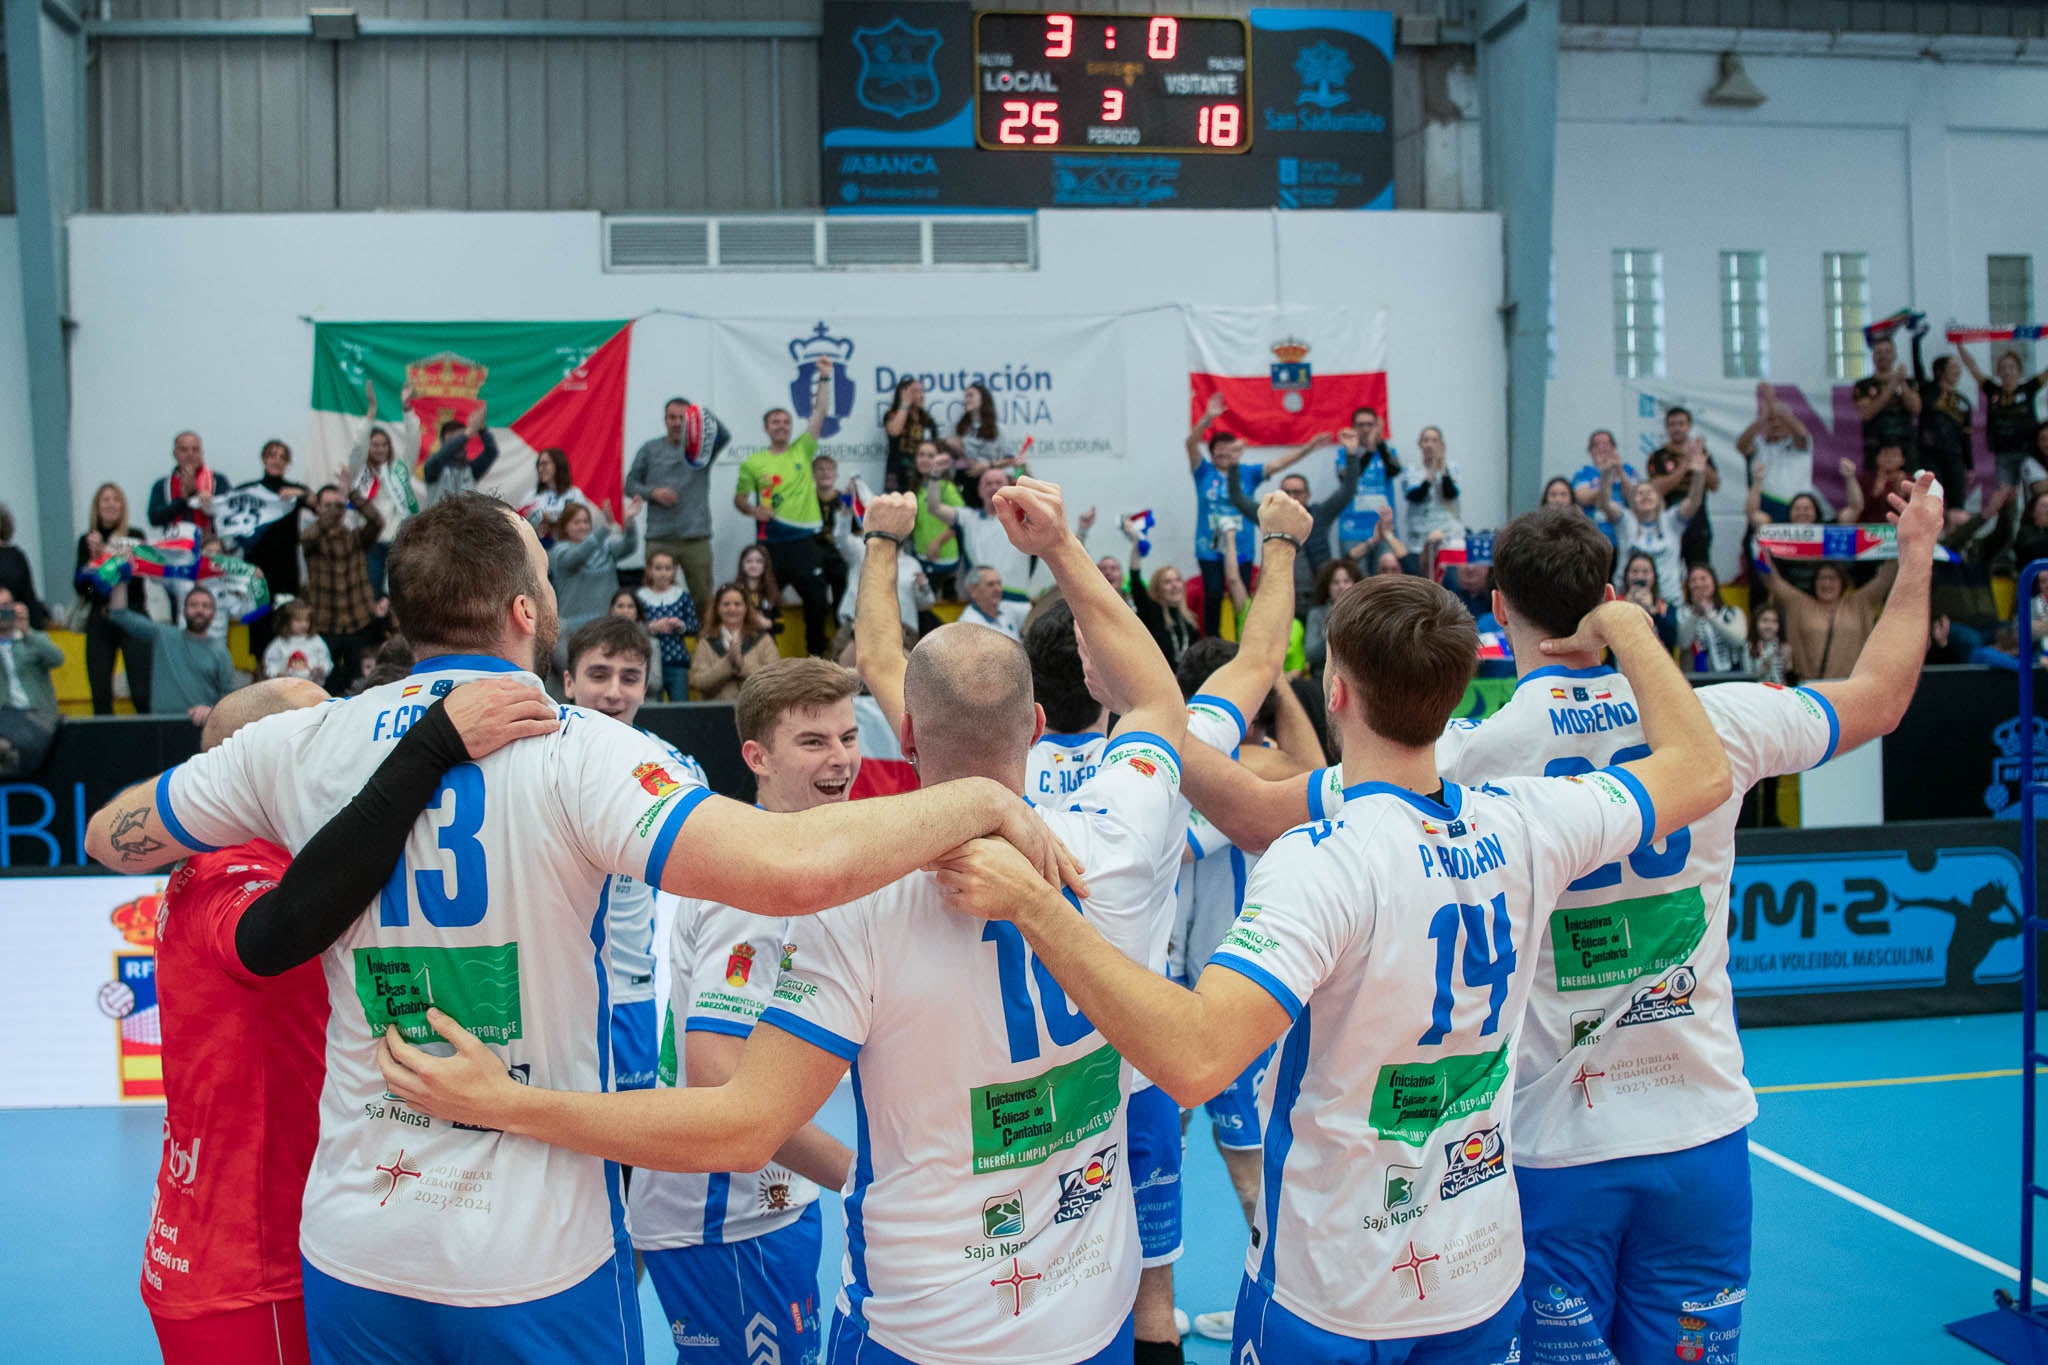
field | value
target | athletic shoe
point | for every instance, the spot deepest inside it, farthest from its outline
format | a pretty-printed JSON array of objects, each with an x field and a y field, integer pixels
[
  {"x": 1180, "y": 1321},
  {"x": 1216, "y": 1326}
]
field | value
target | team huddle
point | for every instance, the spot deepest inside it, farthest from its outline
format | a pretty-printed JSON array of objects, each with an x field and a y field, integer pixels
[{"x": 1460, "y": 1007}]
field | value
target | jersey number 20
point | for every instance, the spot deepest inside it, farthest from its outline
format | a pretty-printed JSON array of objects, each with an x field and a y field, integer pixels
[{"x": 1647, "y": 863}]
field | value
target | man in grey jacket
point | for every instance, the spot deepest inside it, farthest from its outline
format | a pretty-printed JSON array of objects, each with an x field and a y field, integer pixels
[
  {"x": 189, "y": 670},
  {"x": 673, "y": 473},
  {"x": 28, "y": 701}
]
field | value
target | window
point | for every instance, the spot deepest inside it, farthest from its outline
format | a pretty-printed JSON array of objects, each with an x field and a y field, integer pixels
[
  {"x": 2010, "y": 285},
  {"x": 1745, "y": 319},
  {"x": 1845, "y": 294},
  {"x": 1638, "y": 312}
]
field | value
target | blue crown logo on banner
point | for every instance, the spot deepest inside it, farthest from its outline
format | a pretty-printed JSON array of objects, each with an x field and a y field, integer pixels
[{"x": 807, "y": 351}]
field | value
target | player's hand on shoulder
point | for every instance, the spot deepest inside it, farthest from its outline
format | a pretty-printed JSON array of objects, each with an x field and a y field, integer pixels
[
  {"x": 1280, "y": 514},
  {"x": 491, "y": 713},
  {"x": 1032, "y": 514},
  {"x": 892, "y": 513},
  {"x": 1033, "y": 838},
  {"x": 469, "y": 1087},
  {"x": 991, "y": 879}
]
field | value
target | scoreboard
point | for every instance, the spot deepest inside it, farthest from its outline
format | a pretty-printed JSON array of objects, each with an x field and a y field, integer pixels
[
  {"x": 1112, "y": 82},
  {"x": 927, "y": 105}
]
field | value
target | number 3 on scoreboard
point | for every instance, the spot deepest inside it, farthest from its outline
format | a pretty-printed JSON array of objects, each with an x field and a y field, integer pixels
[{"x": 1040, "y": 117}]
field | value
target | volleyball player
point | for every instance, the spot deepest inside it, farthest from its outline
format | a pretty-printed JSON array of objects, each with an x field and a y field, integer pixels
[{"x": 453, "y": 1239}]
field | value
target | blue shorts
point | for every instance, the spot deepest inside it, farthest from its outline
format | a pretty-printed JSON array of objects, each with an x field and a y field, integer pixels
[
  {"x": 1234, "y": 1114},
  {"x": 595, "y": 1321},
  {"x": 1642, "y": 1258},
  {"x": 636, "y": 1046},
  {"x": 852, "y": 1346},
  {"x": 1152, "y": 1128},
  {"x": 1268, "y": 1333},
  {"x": 738, "y": 1303}
]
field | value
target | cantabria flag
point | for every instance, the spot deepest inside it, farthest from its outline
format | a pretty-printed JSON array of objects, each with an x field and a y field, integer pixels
[
  {"x": 1287, "y": 374},
  {"x": 543, "y": 384}
]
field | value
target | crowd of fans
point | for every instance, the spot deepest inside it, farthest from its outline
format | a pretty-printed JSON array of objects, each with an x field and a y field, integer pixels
[{"x": 324, "y": 561}]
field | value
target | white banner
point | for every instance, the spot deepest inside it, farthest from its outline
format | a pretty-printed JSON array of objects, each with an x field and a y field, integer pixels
[
  {"x": 1057, "y": 380},
  {"x": 78, "y": 991}
]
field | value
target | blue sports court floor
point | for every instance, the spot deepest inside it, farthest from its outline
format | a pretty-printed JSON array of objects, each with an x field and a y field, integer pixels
[{"x": 1885, "y": 1166}]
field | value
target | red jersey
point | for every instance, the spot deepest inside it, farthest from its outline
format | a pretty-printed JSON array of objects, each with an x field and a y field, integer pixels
[{"x": 243, "y": 1062}]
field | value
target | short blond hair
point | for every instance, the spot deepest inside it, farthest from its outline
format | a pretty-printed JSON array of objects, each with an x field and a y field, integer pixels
[{"x": 789, "y": 685}]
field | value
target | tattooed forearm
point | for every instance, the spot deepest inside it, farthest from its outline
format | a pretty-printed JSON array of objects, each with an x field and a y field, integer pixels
[{"x": 130, "y": 835}]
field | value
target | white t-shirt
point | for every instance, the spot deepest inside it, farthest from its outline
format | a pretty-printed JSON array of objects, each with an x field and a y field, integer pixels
[
  {"x": 297, "y": 656},
  {"x": 1058, "y": 765},
  {"x": 1211, "y": 894},
  {"x": 1659, "y": 539},
  {"x": 722, "y": 967},
  {"x": 1009, "y": 617},
  {"x": 497, "y": 916},
  {"x": 1400, "y": 937},
  {"x": 985, "y": 543},
  {"x": 1631, "y": 1046},
  {"x": 629, "y": 927},
  {"x": 1783, "y": 470},
  {"x": 989, "y": 1216}
]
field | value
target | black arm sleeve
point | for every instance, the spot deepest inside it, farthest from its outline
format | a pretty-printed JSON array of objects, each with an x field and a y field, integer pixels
[
  {"x": 1241, "y": 500},
  {"x": 341, "y": 869}
]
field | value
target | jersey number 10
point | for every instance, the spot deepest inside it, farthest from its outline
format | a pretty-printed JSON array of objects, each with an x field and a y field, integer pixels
[{"x": 1064, "y": 1024}]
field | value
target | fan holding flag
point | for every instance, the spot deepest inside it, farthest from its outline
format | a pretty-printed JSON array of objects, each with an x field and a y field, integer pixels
[{"x": 672, "y": 473}]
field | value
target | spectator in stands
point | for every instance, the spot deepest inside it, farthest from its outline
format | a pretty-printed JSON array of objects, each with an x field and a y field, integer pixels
[
  {"x": 1887, "y": 403},
  {"x": 1332, "y": 579},
  {"x": 986, "y": 605},
  {"x": 584, "y": 564},
  {"x": 755, "y": 573},
  {"x": 1713, "y": 636},
  {"x": 274, "y": 549},
  {"x": 626, "y": 606},
  {"x": 378, "y": 477},
  {"x": 338, "y": 581},
  {"x": 675, "y": 482},
  {"x": 1768, "y": 661},
  {"x": 1213, "y": 508},
  {"x": 1871, "y": 488},
  {"x": 670, "y": 617},
  {"x": 730, "y": 650},
  {"x": 778, "y": 491},
  {"x": 184, "y": 497},
  {"x": 1639, "y": 585},
  {"x": 189, "y": 670},
  {"x": 935, "y": 543},
  {"x": 1779, "y": 449},
  {"x": 1600, "y": 450},
  {"x": 1826, "y": 628},
  {"x": 1962, "y": 591},
  {"x": 17, "y": 575},
  {"x": 1670, "y": 470},
  {"x": 1112, "y": 569},
  {"x": 1324, "y": 515},
  {"x": 554, "y": 488},
  {"x": 909, "y": 427},
  {"x": 976, "y": 442},
  {"x": 2010, "y": 424},
  {"x": 1378, "y": 478},
  {"x": 1557, "y": 493},
  {"x": 1472, "y": 585},
  {"x": 295, "y": 651},
  {"x": 1648, "y": 525},
  {"x": 832, "y": 508},
  {"x": 1163, "y": 607},
  {"x": 28, "y": 701},
  {"x": 1388, "y": 553},
  {"x": 982, "y": 540},
  {"x": 451, "y": 468},
  {"x": 1806, "y": 509},
  {"x": 2030, "y": 541},
  {"x": 110, "y": 532},
  {"x": 1944, "y": 424},
  {"x": 1431, "y": 492}
]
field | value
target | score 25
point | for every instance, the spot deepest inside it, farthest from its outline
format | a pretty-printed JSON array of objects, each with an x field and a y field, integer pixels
[{"x": 1041, "y": 116}]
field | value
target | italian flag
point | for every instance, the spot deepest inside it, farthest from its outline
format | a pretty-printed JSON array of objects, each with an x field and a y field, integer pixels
[{"x": 543, "y": 384}]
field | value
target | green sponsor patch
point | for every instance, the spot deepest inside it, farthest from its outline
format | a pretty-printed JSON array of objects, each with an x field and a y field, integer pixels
[
  {"x": 1414, "y": 1099},
  {"x": 1246, "y": 939},
  {"x": 727, "y": 1004},
  {"x": 666, "y": 1069},
  {"x": 794, "y": 991},
  {"x": 1021, "y": 1123},
  {"x": 1607, "y": 945},
  {"x": 476, "y": 987}
]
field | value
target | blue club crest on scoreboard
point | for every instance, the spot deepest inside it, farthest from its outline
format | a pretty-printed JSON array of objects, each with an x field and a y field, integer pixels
[{"x": 897, "y": 75}]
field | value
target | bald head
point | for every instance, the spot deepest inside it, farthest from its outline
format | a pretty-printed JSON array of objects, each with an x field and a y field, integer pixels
[
  {"x": 250, "y": 704},
  {"x": 967, "y": 695}
]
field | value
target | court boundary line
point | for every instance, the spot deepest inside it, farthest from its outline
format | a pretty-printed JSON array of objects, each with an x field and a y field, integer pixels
[
  {"x": 1891, "y": 1215},
  {"x": 1803, "y": 1086}
]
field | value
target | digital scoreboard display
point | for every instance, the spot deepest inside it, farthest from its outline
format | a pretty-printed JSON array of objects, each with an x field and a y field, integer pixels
[{"x": 1112, "y": 83}]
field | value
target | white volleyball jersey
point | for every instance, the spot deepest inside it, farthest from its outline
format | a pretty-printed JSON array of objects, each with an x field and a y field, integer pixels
[
  {"x": 1211, "y": 894},
  {"x": 1400, "y": 938},
  {"x": 496, "y": 914},
  {"x": 1058, "y": 765},
  {"x": 630, "y": 931},
  {"x": 722, "y": 968},
  {"x": 1631, "y": 1046},
  {"x": 990, "y": 1215}
]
